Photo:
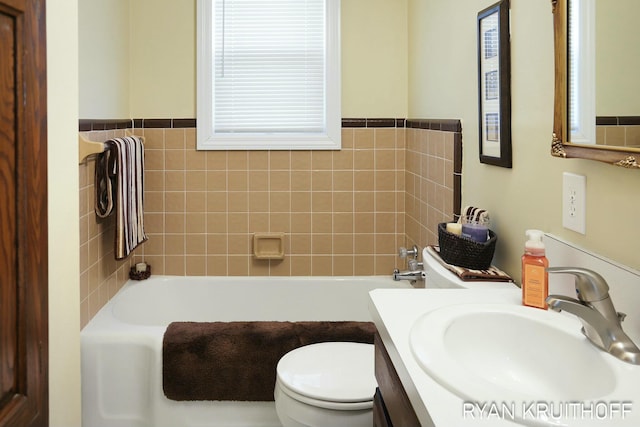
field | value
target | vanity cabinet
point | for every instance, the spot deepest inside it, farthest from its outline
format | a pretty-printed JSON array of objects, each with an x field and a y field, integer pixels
[{"x": 391, "y": 405}]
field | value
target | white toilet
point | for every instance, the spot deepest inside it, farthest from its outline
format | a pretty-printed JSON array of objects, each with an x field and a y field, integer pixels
[{"x": 326, "y": 384}]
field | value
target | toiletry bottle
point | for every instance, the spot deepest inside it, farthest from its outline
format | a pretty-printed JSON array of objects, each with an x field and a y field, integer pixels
[{"x": 535, "y": 279}]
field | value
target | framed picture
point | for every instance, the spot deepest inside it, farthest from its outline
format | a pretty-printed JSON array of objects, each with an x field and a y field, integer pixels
[{"x": 494, "y": 85}]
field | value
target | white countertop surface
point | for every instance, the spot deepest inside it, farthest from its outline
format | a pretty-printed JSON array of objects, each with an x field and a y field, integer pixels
[{"x": 394, "y": 313}]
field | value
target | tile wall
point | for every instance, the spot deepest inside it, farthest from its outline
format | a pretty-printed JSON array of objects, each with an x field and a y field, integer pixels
[
  {"x": 343, "y": 212},
  {"x": 618, "y": 131}
]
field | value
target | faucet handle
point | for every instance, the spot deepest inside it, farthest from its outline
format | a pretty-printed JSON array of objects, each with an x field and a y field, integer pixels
[
  {"x": 590, "y": 285},
  {"x": 404, "y": 252}
]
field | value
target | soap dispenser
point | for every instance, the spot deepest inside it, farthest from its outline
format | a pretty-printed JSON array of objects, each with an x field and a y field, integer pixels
[{"x": 535, "y": 279}]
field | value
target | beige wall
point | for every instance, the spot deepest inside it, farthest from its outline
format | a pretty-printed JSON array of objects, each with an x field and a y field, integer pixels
[
  {"x": 104, "y": 58},
  {"x": 64, "y": 319},
  {"x": 443, "y": 83},
  {"x": 162, "y": 59},
  {"x": 617, "y": 35}
]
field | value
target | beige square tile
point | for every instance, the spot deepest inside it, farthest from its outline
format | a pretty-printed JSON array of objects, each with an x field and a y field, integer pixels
[
  {"x": 321, "y": 223},
  {"x": 280, "y": 222},
  {"x": 196, "y": 201},
  {"x": 238, "y": 223},
  {"x": 258, "y": 180},
  {"x": 364, "y": 222},
  {"x": 196, "y": 222},
  {"x": 364, "y": 265},
  {"x": 321, "y": 201},
  {"x": 154, "y": 245},
  {"x": 301, "y": 265},
  {"x": 174, "y": 180},
  {"x": 300, "y": 201},
  {"x": 258, "y": 160},
  {"x": 322, "y": 160},
  {"x": 343, "y": 244},
  {"x": 301, "y": 223},
  {"x": 385, "y": 180},
  {"x": 343, "y": 201},
  {"x": 153, "y": 139},
  {"x": 154, "y": 160},
  {"x": 196, "y": 180},
  {"x": 217, "y": 160},
  {"x": 174, "y": 138},
  {"x": 363, "y": 138},
  {"x": 343, "y": 180},
  {"x": 321, "y": 180},
  {"x": 384, "y": 264},
  {"x": 279, "y": 201},
  {"x": 239, "y": 201},
  {"x": 196, "y": 244},
  {"x": 385, "y": 138},
  {"x": 385, "y": 201},
  {"x": 153, "y": 181},
  {"x": 300, "y": 244},
  {"x": 217, "y": 244},
  {"x": 237, "y": 160},
  {"x": 347, "y": 138},
  {"x": 258, "y": 222},
  {"x": 175, "y": 160},
  {"x": 239, "y": 244},
  {"x": 321, "y": 265},
  {"x": 385, "y": 159},
  {"x": 301, "y": 180},
  {"x": 321, "y": 244},
  {"x": 217, "y": 265},
  {"x": 195, "y": 160},
  {"x": 217, "y": 201},
  {"x": 174, "y": 244},
  {"x": 153, "y": 201},
  {"x": 363, "y": 160},
  {"x": 237, "y": 180},
  {"x": 238, "y": 265},
  {"x": 363, "y": 201},
  {"x": 343, "y": 160},
  {"x": 300, "y": 160},
  {"x": 280, "y": 160},
  {"x": 216, "y": 180},
  {"x": 259, "y": 267},
  {"x": 174, "y": 201},
  {"x": 174, "y": 222},
  {"x": 174, "y": 265},
  {"x": 343, "y": 222},
  {"x": 216, "y": 222},
  {"x": 196, "y": 265},
  {"x": 343, "y": 265},
  {"x": 258, "y": 201},
  {"x": 280, "y": 180},
  {"x": 280, "y": 267},
  {"x": 364, "y": 180}
]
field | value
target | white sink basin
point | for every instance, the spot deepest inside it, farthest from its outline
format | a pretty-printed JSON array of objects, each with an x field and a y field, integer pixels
[{"x": 514, "y": 355}]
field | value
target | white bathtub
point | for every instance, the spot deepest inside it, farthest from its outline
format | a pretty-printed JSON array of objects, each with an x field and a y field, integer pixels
[{"x": 122, "y": 344}]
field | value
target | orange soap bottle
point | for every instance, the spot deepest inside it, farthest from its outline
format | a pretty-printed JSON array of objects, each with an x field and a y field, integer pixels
[{"x": 535, "y": 279}]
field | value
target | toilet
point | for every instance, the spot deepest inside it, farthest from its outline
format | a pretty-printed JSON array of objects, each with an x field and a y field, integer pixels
[{"x": 326, "y": 384}]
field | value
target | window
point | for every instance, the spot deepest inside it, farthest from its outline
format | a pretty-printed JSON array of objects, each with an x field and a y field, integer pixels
[
  {"x": 581, "y": 63},
  {"x": 268, "y": 74}
]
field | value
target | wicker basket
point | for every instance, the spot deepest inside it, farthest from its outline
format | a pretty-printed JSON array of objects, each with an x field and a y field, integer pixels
[{"x": 464, "y": 252}]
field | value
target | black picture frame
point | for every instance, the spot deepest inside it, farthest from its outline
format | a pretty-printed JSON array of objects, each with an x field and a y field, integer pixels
[{"x": 494, "y": 85}]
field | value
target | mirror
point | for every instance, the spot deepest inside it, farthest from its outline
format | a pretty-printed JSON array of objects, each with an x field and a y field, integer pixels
[{"x": 597, "y": 97}]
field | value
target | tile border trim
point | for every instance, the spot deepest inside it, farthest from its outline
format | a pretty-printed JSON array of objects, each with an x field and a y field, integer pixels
[{"x": 447, "y": 125}]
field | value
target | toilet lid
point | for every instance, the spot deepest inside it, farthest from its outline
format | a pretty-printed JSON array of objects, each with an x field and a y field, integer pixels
[{"x": 331, "y": 371}]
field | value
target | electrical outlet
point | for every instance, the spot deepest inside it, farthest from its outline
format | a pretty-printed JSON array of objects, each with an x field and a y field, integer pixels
[{"x": 574, "y": 192}]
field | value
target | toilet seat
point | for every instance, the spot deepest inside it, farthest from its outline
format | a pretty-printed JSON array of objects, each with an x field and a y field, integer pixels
[{"x": 331, "y": 375}]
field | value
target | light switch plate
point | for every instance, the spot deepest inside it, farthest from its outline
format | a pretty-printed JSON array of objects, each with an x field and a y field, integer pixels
[{"x": 574, "y": 189}]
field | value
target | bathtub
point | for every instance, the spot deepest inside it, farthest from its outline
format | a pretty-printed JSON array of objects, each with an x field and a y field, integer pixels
[{"x": 121, "y": 346}]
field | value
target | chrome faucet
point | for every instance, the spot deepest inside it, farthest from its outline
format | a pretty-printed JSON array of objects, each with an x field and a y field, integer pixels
[
  {"x": 416, "y": 268},
  {"x": 601, "y": 323}
]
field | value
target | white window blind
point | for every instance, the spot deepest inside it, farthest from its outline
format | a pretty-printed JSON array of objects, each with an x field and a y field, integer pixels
[{"x": 270, "y": 71}]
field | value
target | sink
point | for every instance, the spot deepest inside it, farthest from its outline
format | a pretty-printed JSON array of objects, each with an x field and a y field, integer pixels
[{"x": 510, "y": 354}]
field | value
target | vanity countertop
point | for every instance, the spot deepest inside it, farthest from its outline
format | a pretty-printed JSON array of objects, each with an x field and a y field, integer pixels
[{"x": 394, "y": 312}]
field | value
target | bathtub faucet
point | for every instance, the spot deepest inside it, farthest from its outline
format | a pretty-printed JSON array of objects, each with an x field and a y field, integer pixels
[{"x": 416, "y": 272}]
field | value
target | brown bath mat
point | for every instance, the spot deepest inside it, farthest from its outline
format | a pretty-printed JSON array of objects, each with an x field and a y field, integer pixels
[{"x": 237, "y": 360}]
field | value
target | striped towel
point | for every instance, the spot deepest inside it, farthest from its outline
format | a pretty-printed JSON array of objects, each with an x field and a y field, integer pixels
[{"x": 120, "y": 187}]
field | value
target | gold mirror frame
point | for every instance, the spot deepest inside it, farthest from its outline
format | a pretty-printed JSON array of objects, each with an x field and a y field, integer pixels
[{"x": 560, "y": 146}]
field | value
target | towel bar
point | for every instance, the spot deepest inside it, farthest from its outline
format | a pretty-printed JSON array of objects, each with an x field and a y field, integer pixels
[{"x": 87, "y": 148}]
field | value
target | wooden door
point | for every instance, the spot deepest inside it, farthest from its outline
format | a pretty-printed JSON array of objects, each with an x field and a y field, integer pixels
[{"x": 23, "y": 215}]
